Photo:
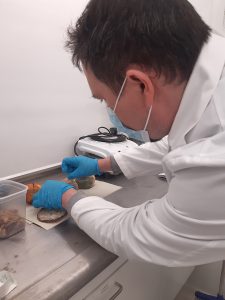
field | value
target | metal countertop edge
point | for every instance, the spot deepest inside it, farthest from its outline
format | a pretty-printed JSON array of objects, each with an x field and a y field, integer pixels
[
  {"x": 68, "y": 279},
  {"x": 35, "y": 175}
]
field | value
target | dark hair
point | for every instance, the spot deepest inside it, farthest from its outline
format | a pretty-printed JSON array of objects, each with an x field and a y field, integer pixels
[{"x": 166, "y": 35}]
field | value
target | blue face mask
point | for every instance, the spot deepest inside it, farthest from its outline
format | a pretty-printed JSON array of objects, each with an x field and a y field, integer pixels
[{"x": 140, "y": 135}]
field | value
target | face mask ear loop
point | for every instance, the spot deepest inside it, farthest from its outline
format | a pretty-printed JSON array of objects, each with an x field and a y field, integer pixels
[
  {"x": 148, "y": 117},
  {"x": 121, "y": 90}
]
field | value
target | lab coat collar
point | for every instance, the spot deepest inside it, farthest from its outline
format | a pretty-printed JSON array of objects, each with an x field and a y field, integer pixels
[{"x": 199, "y": 90}]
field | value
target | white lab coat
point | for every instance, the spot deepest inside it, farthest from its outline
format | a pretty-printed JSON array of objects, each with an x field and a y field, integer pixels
[{"x": 187, "y": 226}]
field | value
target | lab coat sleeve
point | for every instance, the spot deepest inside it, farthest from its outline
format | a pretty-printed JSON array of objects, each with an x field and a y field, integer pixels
[
  {"x": 183, "y": 228},
  {"x": 142, "y": 159},
  {"x": 134, "y": 233}
]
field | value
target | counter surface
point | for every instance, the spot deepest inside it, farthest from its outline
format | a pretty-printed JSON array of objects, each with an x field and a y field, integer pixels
[{"x": 57, "y": 263}]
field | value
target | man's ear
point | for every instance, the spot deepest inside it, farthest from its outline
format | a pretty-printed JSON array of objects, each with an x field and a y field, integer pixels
[{"x": 143, "y": 80}]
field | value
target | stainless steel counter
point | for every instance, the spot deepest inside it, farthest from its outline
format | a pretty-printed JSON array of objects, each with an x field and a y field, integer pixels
[{"x": 57, "y": 263}]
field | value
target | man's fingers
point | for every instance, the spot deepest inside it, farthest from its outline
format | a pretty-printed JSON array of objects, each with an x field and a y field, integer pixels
[
  {"x": 73, "y": 175},
  {"x": 35, "y": 203},
  {"x": 68, "y": 164}
]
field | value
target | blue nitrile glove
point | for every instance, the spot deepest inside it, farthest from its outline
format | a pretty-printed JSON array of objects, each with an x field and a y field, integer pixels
[
  {"x": 80, "y": 166},
  {"x": 50, "y": 195}
]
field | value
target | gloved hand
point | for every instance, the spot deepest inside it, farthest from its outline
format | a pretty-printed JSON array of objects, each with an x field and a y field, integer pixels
[
  {"x": 80, "y": 166},
  {"x": 50, "y": 195}
]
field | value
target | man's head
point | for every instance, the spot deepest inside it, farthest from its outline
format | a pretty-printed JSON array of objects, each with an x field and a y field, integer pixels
[{"x": 154, "y": 43}]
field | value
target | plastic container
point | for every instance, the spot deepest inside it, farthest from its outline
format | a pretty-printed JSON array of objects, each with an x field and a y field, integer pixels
[{"x": 12, "y": 207}]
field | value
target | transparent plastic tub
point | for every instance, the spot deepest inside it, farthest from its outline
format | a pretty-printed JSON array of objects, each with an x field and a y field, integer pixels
[{"x": 12, "y": 207}]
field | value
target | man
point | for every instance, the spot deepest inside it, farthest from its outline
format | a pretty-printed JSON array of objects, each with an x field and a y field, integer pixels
[{"x": 160, "y": 70}]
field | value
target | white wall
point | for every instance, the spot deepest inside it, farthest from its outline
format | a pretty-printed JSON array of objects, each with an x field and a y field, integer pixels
[
  {"x": 212, "y": 12},
  {"x": 45, "y": 103}
]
